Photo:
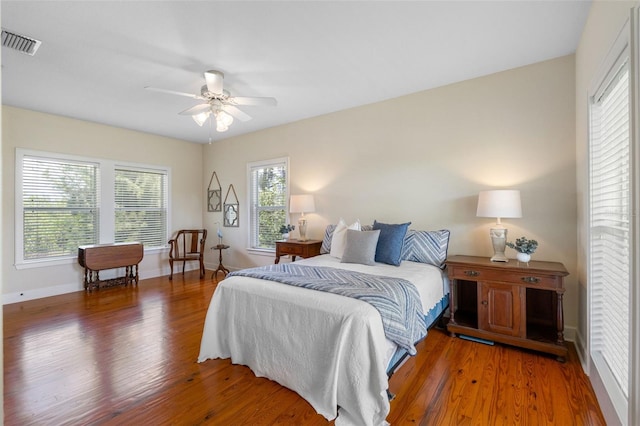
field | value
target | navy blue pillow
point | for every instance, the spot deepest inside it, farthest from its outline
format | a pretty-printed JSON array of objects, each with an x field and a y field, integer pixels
[{"x": 389, "y": 248}]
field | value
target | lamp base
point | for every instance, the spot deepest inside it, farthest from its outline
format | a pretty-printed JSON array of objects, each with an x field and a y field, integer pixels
[
  {"x": 499, "y": 258},
  {"x": 499, "y": 241},
  {"x": 302, "y": 229}
]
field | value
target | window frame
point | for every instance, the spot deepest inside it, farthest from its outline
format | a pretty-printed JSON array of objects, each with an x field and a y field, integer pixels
[
  {"x": 106, "y": 205},
  {"x": 251, "y": 215},
  {"x": 619, "y": 53}
]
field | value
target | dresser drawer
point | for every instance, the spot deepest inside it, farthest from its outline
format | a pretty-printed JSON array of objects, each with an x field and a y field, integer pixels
[
  {"x": 525, "y": 278},
  {"x": 294, "y": 249}
]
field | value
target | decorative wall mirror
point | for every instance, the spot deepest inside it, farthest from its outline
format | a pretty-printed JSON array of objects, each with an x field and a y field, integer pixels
[
  {"x": 214, "y": 196},
  {"x": 231, "y": 210}
]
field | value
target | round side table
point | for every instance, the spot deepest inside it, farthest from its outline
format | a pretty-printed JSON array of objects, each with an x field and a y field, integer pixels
[{"x": 221, "y": 267}]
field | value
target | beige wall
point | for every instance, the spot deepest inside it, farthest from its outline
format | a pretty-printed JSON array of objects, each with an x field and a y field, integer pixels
[
  {"x": 32, "y": 130},
  {"x": 603, "y": 25},
  {"x": 424, "y": 157}
]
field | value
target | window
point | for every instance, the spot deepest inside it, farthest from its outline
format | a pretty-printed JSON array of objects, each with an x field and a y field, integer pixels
[
  {"x": 141, "y": 206},
  {"x": 59, "y": 206},
  {"x": 63, "y": 202},
  {"x": 268, "y": 196},
  {"x": 610, "y": 248}
]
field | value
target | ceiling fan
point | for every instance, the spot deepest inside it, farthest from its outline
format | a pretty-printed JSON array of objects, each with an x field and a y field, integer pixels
[{"x": 218, "y": 104}]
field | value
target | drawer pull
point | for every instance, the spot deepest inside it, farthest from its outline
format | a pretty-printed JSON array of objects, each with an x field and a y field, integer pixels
[
  {"x": 531, "y": 280},
  {"x": 471, "y": 273}
]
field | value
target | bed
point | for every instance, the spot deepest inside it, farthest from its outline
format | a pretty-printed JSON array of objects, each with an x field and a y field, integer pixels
[{"x": 332, "y": 350}]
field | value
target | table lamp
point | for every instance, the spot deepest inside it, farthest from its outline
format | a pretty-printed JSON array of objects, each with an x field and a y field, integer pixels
[
  {"x": 500, "y": 203},
  {"x": 302, "y": 204}
]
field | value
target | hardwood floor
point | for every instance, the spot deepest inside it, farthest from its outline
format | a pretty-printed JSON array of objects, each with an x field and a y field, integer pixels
[{"x": 128, "y": 356}]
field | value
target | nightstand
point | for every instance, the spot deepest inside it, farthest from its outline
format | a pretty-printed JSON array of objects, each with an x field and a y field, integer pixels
[
  {"x": 508, "y": 303},
  {"x": 295, "y": 248}
]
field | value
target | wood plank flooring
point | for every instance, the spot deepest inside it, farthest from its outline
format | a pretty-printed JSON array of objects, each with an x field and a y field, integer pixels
[{"x": 128, "y": 356}]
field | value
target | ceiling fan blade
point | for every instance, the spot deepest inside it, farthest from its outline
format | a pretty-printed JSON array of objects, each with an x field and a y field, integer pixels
[
  {"x": 173, "y": 92},
  {"x": 236, "y": 113},
  {"x": 215, "y": 81},
  {"x": 195, "y": 110},
  {"x": 246, "y": 100}
]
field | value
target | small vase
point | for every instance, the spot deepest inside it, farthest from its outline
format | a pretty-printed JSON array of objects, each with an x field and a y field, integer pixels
[
  {"x": 285, "y": 236},
  {"x": 523, "y": 257}
]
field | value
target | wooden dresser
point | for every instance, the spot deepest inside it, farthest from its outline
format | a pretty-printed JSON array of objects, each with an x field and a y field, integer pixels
[
  {"x": 97, "y": 257},
  {"x": 511, "y": 303}
]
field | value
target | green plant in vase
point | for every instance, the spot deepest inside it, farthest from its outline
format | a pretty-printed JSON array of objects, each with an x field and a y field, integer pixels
[
  {"x": 524, "y": 247},
  {"x": 285, "y": 230}
]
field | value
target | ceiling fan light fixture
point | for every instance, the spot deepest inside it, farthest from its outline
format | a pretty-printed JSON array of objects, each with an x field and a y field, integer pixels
[
  {"x": 223, "y": 120},
  {"x": 222, "y": 125},
  {"x": 224, "y": 117},
  {"x": 201, "y": 118},
  {"x": 217, "y": 103}
]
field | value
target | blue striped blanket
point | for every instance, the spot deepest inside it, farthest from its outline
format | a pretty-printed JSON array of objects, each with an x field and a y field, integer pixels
[{"x": 396, "y": 299}]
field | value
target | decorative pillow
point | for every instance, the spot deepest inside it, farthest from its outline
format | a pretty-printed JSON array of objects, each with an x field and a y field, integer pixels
[
  {"x": 339, "y": 236},
  {"x": 360, "y": 247},
  {"x": 326, "y": 241},
  {"x": 328, "y": 235},
  {"x": 390, "y": 242},
  {"x": 426, "y": 247}
]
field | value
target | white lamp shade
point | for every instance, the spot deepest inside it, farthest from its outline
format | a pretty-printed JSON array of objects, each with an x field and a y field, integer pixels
[
  {"x": 499, "y": 203},
  {"x": 302, "y": 204}
]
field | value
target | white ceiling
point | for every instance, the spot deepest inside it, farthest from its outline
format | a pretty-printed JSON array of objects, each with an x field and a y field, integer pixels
[{"x": 315, "y": 57}]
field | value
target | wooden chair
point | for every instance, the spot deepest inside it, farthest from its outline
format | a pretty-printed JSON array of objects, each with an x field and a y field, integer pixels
[{"x": 188, "y": 245}]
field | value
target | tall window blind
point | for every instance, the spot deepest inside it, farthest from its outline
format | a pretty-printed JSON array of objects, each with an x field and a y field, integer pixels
[
  {"x": 610, "y": 250},
  {"x": 60, "y": 206},
  {"x": 268, "y": 202},
  {"x": 141, "y": 206}
]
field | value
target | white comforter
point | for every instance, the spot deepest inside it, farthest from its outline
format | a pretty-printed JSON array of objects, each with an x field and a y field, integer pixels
[{"x": 328, "y": 348}]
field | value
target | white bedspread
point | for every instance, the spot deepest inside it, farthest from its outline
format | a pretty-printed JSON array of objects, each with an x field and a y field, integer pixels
[{"x": 330, "y": 349}]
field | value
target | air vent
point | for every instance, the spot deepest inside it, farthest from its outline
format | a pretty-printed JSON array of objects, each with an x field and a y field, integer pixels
[{"x": 20, "y": 43}]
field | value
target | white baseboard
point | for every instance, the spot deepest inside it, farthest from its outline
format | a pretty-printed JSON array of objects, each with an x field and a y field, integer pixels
[
  {"x": 606, "y": 405},
  {"x": 56, "y": 290},
  {"x": 39, "y": 293},
  {"x": 581, "y": 349}
]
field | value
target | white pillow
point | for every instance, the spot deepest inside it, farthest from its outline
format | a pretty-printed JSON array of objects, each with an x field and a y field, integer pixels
[{"x": 338, "y": 242}]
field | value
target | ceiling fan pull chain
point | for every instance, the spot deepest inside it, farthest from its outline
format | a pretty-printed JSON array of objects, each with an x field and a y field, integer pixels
[{"x": 210, "y": 126}]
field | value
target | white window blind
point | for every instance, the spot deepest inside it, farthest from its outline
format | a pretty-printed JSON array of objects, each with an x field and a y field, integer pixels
[
  {"x": 141, "y": 206},
  {"x": 610, "y": 249},
  {"x": 60, "y": 206},
  {"x": 65, "y": 201},
  {"x": 268, "y": 202}
]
